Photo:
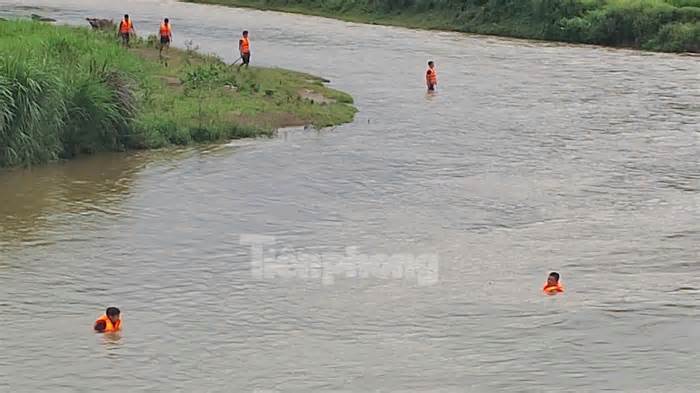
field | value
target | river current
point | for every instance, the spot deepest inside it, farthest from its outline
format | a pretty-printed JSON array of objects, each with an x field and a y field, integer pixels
[{"x": 405, "y": 251}]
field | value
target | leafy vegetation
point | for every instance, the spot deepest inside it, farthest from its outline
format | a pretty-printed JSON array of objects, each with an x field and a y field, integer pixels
[
  {"x": 66, "y": 91},
  {"x": 664, "y": 25}
]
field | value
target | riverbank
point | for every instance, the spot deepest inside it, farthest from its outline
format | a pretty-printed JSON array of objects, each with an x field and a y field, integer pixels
[
  {"x": 66, "y": 91},
  {"x": 658, "y": 25}
]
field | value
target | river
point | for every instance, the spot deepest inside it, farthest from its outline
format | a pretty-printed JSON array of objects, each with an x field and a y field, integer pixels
[{"x": 532, "y": 157}]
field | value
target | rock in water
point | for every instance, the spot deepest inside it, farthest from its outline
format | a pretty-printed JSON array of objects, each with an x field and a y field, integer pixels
[
  {"x": 42, "y": 18},
  {"x": 101, "y": 24}
]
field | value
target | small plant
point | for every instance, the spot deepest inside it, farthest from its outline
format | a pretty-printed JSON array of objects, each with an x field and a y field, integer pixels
[
  {"x": 190, "y": 51},
  {"x": 152, "y": 41}
]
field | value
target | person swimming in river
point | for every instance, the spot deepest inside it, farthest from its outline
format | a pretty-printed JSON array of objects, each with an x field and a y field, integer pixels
[
  {"x": 553, "y": 286},
  {"x": 110, "y": 322},
  {"x": 431, "y": 76}
]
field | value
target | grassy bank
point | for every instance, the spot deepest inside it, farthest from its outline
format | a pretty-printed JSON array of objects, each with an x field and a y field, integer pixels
[
  {"x": 66, "y": 91},
  {"x": 661, "y": 25}
]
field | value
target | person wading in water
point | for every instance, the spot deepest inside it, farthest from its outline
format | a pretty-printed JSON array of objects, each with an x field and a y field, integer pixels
[{"x": 431, "y": 77}]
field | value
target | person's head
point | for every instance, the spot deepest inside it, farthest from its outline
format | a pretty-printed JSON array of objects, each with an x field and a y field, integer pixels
[
  {"x": 113, "y": 314},
  {"x": 126, "y": 16},
  {"x": 245, "y": 33},
  {"x": 431, "y": 64},
  {"x": 166, "y": 20},
  {"x": 553, "y": 278}
]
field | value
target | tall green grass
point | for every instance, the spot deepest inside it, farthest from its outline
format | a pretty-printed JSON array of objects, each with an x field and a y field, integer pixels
[
  {"x": 64, "y": 91},
  {"x": 32, "y": 112},
  {"x": 664, "y": 25}
]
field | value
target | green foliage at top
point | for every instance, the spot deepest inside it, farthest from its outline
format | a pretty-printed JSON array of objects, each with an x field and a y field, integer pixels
[{"x": 665, "y": 25}]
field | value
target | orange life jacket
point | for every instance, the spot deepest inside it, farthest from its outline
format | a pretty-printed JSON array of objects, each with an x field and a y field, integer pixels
[
  {"x": 431, "y": 76},
  {"x": 125, "y": 26},
  {"x": 109, "y": 326},
  {"x": 553, "y": 289},
  {"x": 245, "y": 45},
  {"x": 165, "y": 30}
]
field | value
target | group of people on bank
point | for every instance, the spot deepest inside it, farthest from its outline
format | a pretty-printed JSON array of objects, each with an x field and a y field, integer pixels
[{"x": 165, "y": 36}]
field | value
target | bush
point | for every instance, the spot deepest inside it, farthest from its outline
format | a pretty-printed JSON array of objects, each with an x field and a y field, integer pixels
[
  {"x": 678, "y": 37},
  {"x": 685, "y": 3},
  {"x": 688, "y": 14},
  {"x": 576, "y": 29}
]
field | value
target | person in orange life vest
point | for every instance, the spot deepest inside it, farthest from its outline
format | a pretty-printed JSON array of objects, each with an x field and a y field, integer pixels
[
  {"x": 126, "y": 28},
  {"x": 553, "y": 286},
  {"x": 110, "y": 322},
  {"x": 166, "y": 36},
  {"x": 431, "y": 76},
  {"x": 244, "y": 49}
]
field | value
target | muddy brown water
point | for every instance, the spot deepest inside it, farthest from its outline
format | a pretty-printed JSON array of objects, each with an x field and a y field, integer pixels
[{"x": 532, "y": 157}]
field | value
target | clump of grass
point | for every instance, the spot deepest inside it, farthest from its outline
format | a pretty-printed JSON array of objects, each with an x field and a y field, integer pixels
[
  {"x": 32, "y": 113},
  {"x": 68, "y": 91}
]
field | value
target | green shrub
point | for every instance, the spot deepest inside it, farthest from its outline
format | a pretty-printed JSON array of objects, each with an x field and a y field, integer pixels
[
  {"x": 677, "y": 37},
  {"x": 685, "y": 3},
  {"x": 576, "y": 29},
  {"x": 688, "y": 14}
]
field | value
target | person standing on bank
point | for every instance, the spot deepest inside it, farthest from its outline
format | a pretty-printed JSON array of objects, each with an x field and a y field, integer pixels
[
  {"x": 166, "y": 36},
  {"x": 126, "y": 29},
  {"x": 244, "y": 49}
]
